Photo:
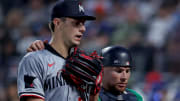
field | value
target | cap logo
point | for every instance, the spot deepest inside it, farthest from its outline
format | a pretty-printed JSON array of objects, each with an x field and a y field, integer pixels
[
  {"x": 127, "y": 63},
  {"x": 81, "y": 9}
]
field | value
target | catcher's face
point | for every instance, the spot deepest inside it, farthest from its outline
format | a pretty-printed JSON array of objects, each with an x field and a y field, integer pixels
[
  {"x": 115, "y": 79},
  {"x": 73, "y": 30}
]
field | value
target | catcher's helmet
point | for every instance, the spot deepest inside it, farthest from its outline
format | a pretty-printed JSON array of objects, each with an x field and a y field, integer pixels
[{"x": 116, "y": 56}]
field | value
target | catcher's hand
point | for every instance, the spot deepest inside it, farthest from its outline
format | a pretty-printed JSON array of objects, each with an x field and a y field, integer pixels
[
  {"x": 36, "y": 45},
  {"x": 84, "y": 71}
]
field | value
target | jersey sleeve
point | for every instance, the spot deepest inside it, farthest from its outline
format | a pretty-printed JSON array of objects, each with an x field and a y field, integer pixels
[{"x": 30, "y": 81}]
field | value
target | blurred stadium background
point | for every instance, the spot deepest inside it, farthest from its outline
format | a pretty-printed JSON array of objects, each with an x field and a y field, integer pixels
[{"x": 149, "y": 28}]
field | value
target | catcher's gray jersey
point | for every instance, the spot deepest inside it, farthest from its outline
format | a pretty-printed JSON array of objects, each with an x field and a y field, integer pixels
[{"x": 39, "y": 75}]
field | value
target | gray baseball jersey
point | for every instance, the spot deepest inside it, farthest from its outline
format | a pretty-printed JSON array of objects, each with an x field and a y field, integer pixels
[{"x": 39, "y": 75}]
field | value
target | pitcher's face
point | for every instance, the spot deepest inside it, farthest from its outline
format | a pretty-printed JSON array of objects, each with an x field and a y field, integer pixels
[{"x": 73, "y": 30}]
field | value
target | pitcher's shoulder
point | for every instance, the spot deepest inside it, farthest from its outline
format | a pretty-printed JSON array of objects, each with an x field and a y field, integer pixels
[{"x": 36, "y": 53}]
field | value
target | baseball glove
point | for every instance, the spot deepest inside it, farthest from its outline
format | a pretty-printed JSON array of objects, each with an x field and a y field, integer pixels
[{"x": 84, "y": 71}]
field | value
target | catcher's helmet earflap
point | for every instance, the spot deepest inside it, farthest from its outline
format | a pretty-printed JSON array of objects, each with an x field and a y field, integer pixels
[{"x": 116, "y": 56}]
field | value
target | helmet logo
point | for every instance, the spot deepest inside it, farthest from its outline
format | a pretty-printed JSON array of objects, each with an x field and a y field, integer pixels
[{"x": 116, "y": 61}]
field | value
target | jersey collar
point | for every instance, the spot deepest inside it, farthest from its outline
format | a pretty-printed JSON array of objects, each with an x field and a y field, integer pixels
[
  {"x": 118, "y": 97},
  {"x": 52, "y": 50}
]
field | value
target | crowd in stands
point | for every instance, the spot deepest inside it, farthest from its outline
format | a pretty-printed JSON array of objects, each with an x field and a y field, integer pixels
[{"x": 149, "y": 28}]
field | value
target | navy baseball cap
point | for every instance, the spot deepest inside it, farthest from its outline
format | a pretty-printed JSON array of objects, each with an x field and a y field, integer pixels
[{"x": 70, "y": 8}]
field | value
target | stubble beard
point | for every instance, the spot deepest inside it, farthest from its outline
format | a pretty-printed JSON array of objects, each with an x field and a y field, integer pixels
[{"x": 114, "y": 89}]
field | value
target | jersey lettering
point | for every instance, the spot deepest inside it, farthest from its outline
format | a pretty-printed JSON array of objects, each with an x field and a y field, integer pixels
[{"x": 54, "y": 82}]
